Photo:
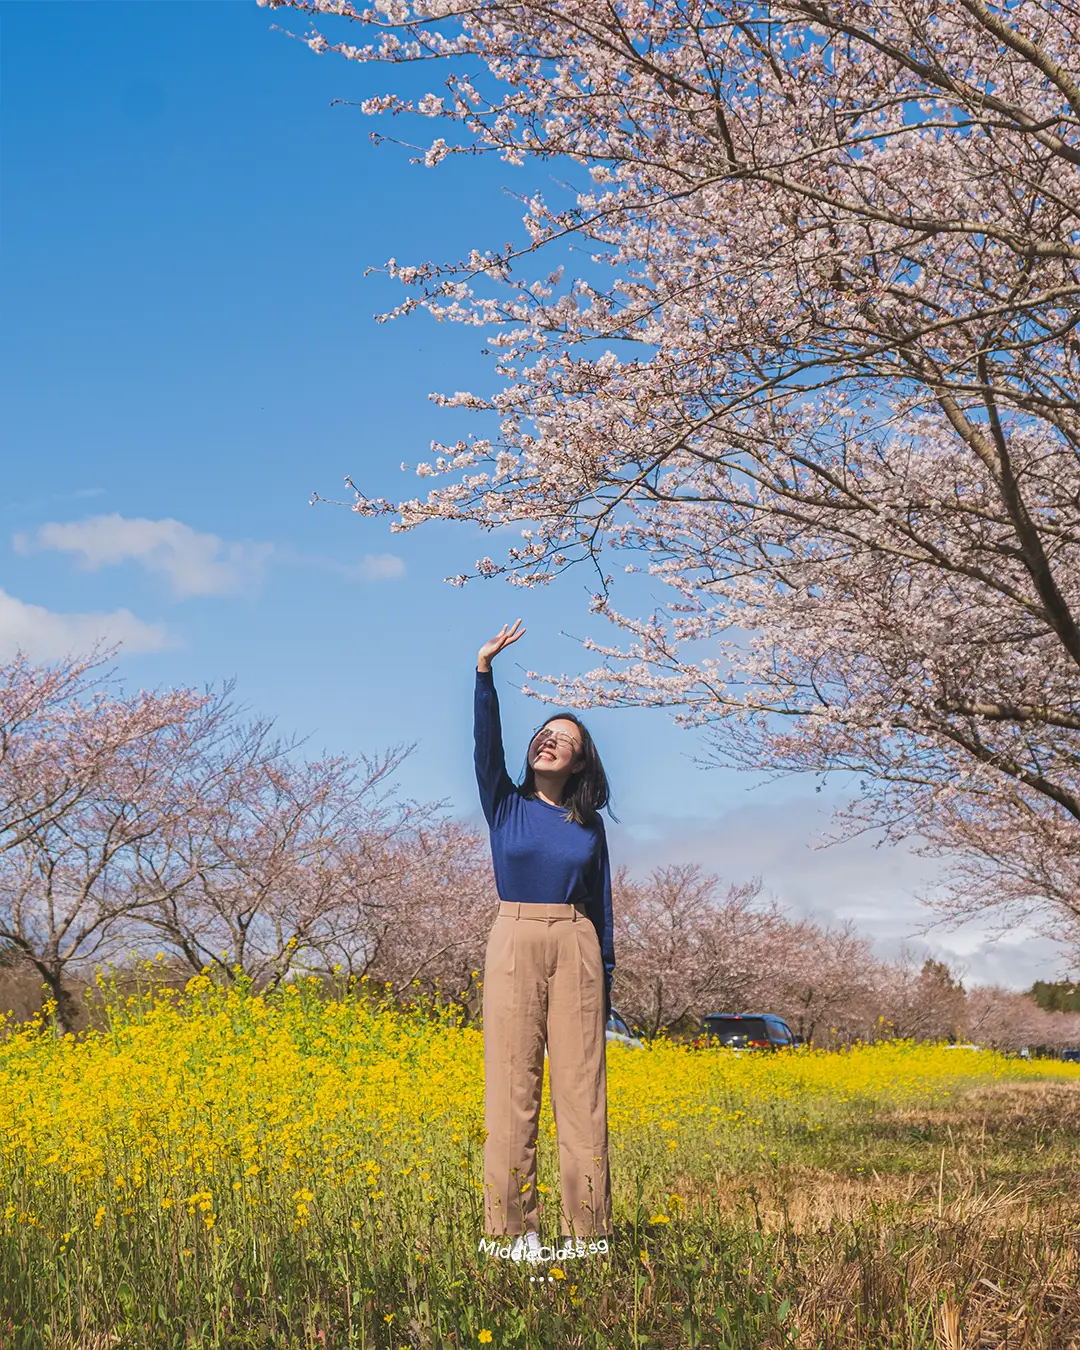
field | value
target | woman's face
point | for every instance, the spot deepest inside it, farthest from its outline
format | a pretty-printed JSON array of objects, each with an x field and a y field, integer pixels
[{"x": 556, "y": 748}]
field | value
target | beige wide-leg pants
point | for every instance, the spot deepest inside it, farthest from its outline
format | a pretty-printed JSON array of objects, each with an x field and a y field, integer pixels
[{"x": 544, "y": 981}]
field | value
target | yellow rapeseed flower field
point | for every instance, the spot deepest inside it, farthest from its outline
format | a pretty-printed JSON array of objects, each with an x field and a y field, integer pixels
[{"x": 208, "y": 1131}]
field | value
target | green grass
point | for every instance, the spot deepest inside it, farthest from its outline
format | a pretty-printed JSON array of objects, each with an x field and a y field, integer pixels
[{"x": 830, "y": 1211}]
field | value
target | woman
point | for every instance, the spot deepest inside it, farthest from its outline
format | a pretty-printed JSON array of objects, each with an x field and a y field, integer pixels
[{"x": 547, "y": 971}]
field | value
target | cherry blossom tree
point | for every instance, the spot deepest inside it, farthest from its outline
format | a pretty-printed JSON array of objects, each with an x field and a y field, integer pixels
[
  {"x": 87, "y": 776},
  {"x": 276, "y": 862},
  {"x": 815, "y": 377},
  {"x": 1008, "y": 1021},
  {"x": 923, "y": 1000},
  {"x": 170, "y": 818},
  {"x": 685, "y": 948},
  {"x": 427, "y": 925},
  {"x": 824, "y": 981}
]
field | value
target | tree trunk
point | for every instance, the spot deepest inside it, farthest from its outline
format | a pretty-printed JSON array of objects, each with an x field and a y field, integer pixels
[{"x": 66, "y": 1007}]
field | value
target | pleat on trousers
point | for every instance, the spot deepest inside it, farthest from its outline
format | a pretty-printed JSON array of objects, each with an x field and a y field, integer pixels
[{"x": 544, "y": 984}]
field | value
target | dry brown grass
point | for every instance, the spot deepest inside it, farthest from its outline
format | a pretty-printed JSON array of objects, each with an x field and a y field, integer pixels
[{"x": 966, "y": 1237}]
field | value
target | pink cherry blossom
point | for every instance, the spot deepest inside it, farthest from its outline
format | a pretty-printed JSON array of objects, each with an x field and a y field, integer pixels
[{"x": 817, "y": 373}]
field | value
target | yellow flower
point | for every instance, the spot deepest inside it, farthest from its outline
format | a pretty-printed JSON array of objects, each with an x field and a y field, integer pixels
[
  {"x": 558, "y": 1272},
  {"x": 485, "y": 1337},
  {"x": 189, "y": 1085}
]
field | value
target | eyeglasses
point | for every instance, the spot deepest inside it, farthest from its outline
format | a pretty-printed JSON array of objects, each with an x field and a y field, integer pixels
[{"x": 557, "y": 738}]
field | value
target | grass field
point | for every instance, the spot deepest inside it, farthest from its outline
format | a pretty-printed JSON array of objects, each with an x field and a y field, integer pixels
[{"x": 214, "y": 1168}]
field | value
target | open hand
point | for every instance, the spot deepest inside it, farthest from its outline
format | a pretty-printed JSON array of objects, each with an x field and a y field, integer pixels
[{"x": 502, "y": 638}]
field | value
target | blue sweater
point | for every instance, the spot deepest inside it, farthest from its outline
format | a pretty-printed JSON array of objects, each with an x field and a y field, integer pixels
[{"x": 539, "y": 856}]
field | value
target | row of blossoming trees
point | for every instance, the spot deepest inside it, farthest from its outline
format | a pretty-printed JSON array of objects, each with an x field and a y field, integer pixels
[
  {"x": 686, "y": 945},
  {"x": 171, "y": 822}
]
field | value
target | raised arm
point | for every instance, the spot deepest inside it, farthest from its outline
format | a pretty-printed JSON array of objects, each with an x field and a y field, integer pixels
[{"x": 491, "y": 776}]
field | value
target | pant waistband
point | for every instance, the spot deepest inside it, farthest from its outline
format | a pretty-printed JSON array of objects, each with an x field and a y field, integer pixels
[{"x": 523, "y": 909}]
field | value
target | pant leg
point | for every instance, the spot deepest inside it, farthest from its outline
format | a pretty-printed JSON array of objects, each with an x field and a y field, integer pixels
[
  {"x": 577, "y": 1068},
  {"x": 515, "y": 1017}
]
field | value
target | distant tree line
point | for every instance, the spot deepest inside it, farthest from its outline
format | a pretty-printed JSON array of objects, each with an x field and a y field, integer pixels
[{"x": 1060, "y": 996}]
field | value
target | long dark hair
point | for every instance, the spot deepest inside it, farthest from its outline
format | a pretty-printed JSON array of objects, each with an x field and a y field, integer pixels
[{"x": 586, "y": 792}]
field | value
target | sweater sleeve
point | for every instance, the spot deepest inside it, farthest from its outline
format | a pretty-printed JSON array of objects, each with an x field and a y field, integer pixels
[
  {"x": 491, "y": 776},
  {"x": 600, "y": 905}
]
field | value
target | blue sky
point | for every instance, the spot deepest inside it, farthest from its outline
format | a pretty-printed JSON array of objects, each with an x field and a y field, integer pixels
[{"x": 189, "y": 350}]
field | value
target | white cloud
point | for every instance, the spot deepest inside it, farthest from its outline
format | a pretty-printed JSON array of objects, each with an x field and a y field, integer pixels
[
  {"x": 876, "y": 888},
  {"x": 378, "y": 567},
  {"x": 46, "y": 636},
  {"x": 371, "y": 567},
  {"x": 194, "y": 563}
]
